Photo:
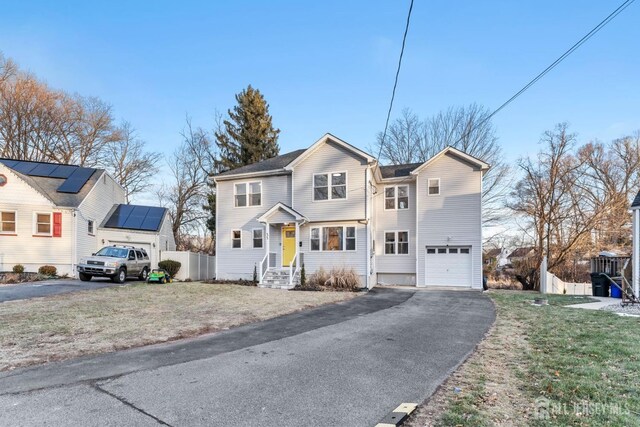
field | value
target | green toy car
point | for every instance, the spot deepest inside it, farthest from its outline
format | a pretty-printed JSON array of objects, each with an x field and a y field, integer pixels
[{"x": 159, "y": 275}]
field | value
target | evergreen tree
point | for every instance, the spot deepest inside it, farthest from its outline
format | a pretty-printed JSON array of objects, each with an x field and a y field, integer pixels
[{"x": 247, "y": 136}]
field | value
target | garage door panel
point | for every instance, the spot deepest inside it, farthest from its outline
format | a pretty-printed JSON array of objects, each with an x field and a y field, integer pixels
[{"x": 450, "y": 266}]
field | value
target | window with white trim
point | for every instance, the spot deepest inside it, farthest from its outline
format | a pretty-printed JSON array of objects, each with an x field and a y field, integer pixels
[
  {"x": 8, "y": 222},
  {"x": 236, "y": 239},
  {"x": 396, "y": 242},
  {"x": 248, "y": 194},
  {"x": 333, "y": 238},
  {"x": 434, "y": 187},
  {"x": 330, "y": 186},
  {"x": 90, "y": 226},
  {"x": 42, "y": 225},
  {"x": 396, "y": 197},
  {"x": 258, "y": 237}
]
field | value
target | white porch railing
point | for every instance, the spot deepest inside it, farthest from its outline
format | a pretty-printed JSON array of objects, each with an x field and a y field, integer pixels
[
  {"x": 291, "y": 271},
  {"x": 264, "y": 267}
]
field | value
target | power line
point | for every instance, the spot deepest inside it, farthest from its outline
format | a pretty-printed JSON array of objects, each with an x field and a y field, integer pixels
[
  {"x": 561, "y": 58},
  {"x": 395, "y": 83}
]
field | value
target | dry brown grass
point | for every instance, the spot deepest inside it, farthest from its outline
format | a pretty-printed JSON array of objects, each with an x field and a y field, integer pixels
[
  {"x": 66, "y": 326},
  {"x": 339, "y": 279}
]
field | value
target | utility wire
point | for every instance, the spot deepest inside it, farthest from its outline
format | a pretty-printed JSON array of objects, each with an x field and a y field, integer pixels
[
  {"x": 562, "y": 57},
  {"x": 395, "y": 83}
]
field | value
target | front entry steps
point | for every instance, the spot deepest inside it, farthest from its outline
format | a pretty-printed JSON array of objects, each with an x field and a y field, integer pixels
[{"x": 279, "y": 279}]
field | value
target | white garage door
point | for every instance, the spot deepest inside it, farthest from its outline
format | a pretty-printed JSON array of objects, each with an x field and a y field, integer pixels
[{"x": 450, "y": 266}]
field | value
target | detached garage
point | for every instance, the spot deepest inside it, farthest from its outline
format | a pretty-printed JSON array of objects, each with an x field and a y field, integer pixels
[
  {"x": 143, "y": 227},
  {"x": 448, "y": 266}
]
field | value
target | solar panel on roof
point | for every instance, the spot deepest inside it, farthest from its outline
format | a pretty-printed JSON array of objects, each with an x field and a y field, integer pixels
[
  {"x": 8, "y": 162},
  {"x": 42, "y": 169},
  {"x": 62, "y": 171},
  {"x": 24, "y": 167},
  {"x": 147, "y": 218},
  {"x": 76, "y": 180}
]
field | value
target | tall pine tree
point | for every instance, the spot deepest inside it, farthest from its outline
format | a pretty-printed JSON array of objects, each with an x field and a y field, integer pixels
[{"x": 246, "y": 137}]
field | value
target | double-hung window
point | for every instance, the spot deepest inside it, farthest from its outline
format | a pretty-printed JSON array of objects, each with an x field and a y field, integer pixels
[
  {"x": 236, "y": 239},
  {"x": 7, "y": 222},
  {"x": 333, "y": 238},
  {"x": 42, "y": 224},
  {"x": 248, "y": 194},
  {"x": 330, "y": 186},
  {"x": 396, "y": 197},
  {"x": 434, "y": 187},
  {"x": 396, "y": 242},
  {"x": 258, "y": 237}
]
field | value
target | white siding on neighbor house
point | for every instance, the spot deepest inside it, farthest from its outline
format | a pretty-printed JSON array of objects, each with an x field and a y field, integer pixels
[
  {"x": 395, "y": 267},
  {"x": 239, "y": 263},
  {"x": 339, "y": 259},
  {"x": 330, "y": 157},
  {"x": 95, "y": 206},
  {"x": 452, "y": 218},
  {"x": 166, "y": 239},
  {"x": 25, "y": 248}
]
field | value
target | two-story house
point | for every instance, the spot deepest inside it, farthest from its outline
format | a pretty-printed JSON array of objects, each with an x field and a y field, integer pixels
[
  {"x": 332, "y": 205},
  {"x": 56, "y": 214}
]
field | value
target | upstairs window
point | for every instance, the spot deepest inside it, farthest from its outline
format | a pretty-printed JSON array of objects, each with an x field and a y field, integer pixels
[
  {"x": 330, "y": 186},
  {"x": 396, "y": 197},
  {"x": 90, "y": 226},
  {"x": 248, "y": 194},
  {"x": 8, "y": 222},
  {"x": 434, "y": 186}
]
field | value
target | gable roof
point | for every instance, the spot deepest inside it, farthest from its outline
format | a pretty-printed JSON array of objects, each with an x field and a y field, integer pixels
[
  {"x": 521, "y": 252},
  {"x": 458, "y": 153},
  {"x": 636, "y": 201},
  {"x": 281, "y": 206},
  {"x": 56, "y": 188},
  {"x": 273, "y": 164},
  {"x": 134, "y": 217},
  {"x": 326, "y": 138}
]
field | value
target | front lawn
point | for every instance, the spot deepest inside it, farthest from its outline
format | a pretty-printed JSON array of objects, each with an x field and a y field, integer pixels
[
  {"x": 545, "y": 366},
  {"x": 70, "y": 325}
]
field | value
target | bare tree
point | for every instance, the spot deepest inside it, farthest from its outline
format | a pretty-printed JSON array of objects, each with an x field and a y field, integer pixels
[
  {"x": 128, "y": 161},
  {"x": 186, "y": 194},
  {"x": 469, "y": 129}
]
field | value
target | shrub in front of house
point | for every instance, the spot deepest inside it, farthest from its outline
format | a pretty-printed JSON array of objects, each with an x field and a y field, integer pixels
[
  {"x": 172, "y": 267},
  {"x": 18, "y": 269},
  {"x": 48, "y": 270},
  {"x": 336, "y": 279}
]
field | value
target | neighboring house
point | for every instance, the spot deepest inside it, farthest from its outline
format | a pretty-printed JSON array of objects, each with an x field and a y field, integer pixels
[
  {"x": 520, "y": 254},
  {"x": 331, "y": 205},
  {"x": 635, "y": 254},
  {"x": 55, "y": 214},
  {"x": 496, "y": 256}
]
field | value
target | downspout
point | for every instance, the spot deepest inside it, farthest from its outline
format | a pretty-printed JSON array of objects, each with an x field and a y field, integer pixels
[
  {"x": 368, "y": 229},
  {"x": 635, "y": 264},
  {"x": 74, "y": 249}
]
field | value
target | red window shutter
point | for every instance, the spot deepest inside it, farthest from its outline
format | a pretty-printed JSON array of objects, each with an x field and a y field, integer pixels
[{"x": 57, "y": 224}]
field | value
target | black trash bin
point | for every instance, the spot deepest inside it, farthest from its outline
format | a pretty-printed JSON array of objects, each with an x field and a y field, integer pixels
[{"x": 599, "y": 285}]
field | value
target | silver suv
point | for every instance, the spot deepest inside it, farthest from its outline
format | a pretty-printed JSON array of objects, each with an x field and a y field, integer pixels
[{"x": 116, "y": 262}]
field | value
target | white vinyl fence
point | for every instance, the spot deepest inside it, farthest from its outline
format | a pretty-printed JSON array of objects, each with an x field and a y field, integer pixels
[
  {"x": 550, "y": 284},
  {"x": 193, "y": 266}
]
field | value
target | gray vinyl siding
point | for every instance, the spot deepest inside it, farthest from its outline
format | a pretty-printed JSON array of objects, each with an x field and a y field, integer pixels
[
  {"x": 454, "y": 217},
  {"x": 329, "y": 158},
  {"x": 239, "y": 263},
  {"x": 395, "y": 220},
  {"x": 281, "y": 216},
  {"x": 336, "y": 259}
]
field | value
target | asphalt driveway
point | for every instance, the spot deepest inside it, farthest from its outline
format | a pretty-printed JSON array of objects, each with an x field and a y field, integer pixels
[
  {"x": 346, "y": 364},
  {"x": 52, "y": 287}
]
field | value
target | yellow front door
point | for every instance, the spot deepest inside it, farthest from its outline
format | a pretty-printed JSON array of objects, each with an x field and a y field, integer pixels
[{"x": 288, "y": 245}]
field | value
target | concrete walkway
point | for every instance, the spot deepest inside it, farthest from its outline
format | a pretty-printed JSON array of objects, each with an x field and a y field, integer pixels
[
  {"x": 346, "y": 364},
  {"x": 602, "y": 302}
]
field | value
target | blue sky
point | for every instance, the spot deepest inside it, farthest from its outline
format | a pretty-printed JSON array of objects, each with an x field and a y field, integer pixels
[{"x": 328, "y": 66}]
